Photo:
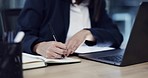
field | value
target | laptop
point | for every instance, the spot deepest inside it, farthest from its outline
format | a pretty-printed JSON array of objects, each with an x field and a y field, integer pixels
[{"x": 136, "y": 50}]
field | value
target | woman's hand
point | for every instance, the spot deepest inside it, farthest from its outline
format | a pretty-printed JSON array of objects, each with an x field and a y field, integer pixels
[
  {"x": 51, "y": 49},
  {"x": 75, "y": 41}
]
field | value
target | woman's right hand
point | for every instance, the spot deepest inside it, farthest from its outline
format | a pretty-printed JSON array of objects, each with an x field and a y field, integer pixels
[{"x": 51, "y": 49}]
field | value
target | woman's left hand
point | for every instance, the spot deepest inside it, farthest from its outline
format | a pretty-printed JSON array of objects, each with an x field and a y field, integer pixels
[{"x": 75, "y": 41}]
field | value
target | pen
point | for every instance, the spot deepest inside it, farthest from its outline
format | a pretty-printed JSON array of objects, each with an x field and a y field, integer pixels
[
  {"x": 52, "y": 32},
  {"x": 54, "y": 36}
]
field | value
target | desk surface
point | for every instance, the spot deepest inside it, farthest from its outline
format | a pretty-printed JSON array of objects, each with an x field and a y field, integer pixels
[{"x": 89, "y": 69}]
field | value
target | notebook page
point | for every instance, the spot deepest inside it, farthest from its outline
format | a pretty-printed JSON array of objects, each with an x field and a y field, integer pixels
[
  {"x": 90, "y": 49},
  {"x": 63, "y": 60}
]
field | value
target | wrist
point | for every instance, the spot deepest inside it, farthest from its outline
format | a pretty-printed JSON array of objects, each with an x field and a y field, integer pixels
[
  {"x": 36, "y": 47},
  {"x": 86, "y": 32},
  {"x": 89, "y": 36}
]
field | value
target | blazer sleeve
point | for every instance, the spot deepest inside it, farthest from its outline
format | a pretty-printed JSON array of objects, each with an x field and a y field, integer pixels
[
  {"x": 30, "y": 21},
  {"x": 105, "y": 31}
]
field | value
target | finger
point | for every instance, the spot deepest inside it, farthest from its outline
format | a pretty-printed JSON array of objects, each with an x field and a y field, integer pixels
[
  {"x": 58, "y": 50},
  {"x": 60, "y": 45},
  {"x": 70, "y": 44},
  {"x": 65, "y": 52},
  {"x": 69, "y": 52},
  {"x": 74, "y": 49},
  {"x": 49, "y": 56},
  {"x": 53, "y": 55},
  {"x": 70, "y": 48}
]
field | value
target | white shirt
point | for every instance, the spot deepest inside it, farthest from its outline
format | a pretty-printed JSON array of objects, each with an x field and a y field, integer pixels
[{"x": 79, "y": 18}]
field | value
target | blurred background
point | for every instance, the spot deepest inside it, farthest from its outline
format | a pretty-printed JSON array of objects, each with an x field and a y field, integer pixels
[{"x": 123, "y": 12}]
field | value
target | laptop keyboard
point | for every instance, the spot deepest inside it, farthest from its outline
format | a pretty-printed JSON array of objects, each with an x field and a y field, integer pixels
[{"x": 117, "y": 58}]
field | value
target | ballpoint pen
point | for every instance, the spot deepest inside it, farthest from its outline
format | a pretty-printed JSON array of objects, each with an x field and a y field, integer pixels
[
  {"x": 52, "y": 32},
  {"x": 54, "y": 37}
]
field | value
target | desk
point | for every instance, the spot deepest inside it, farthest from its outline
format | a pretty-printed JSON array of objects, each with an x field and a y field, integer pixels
[{"x": 89, "y": 69}]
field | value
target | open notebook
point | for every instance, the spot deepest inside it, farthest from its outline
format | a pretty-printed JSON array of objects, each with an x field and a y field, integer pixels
[{"x": 34, "y": 61}]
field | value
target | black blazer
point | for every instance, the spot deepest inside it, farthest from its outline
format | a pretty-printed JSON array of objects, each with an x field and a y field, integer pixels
[{"x": 37, "y": 15}]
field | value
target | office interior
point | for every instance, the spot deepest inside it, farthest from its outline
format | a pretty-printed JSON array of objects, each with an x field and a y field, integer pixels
[{"x": 123, "y": 13}]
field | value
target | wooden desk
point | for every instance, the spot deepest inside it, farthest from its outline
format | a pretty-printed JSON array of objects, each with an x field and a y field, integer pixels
[{"x": 89, "y": 69}]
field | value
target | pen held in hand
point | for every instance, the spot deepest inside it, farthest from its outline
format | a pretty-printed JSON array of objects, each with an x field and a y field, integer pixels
[
  {"x": 52, "y": 32},
  {"x": 55, "y": 39}
]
